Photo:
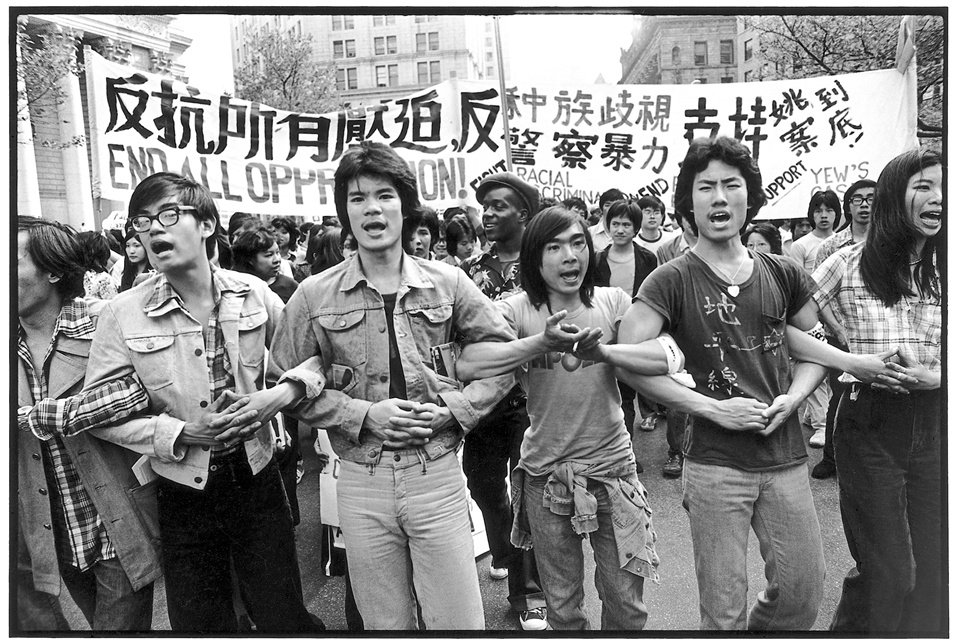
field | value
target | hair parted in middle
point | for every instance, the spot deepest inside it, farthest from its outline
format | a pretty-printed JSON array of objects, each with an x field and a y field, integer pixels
[
  {"x": 824, "y": 197},
  {"x": 371, "y": 158},
  {"x": 542, "y": 228},
  {"x": 726, "y": 150}
]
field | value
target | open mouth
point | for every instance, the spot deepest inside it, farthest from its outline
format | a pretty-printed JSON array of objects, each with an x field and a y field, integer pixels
[
  {"x": 374, "y": 226},
  {"x": 158, "y": 247},
  {"x": 931, "y": 217},
  {"x": 570, "y": 276},
  {"x": 719, "y": 217}
]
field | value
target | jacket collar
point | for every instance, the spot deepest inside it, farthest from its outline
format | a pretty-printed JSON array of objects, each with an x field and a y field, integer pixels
[
  {"x": 163, "y": 298},
  {"x": 412, "y": 274}
]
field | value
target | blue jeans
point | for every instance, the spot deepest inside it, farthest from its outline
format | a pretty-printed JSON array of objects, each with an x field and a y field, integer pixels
[
  {"x": 560, "y": 560},
  {"x": 406, "y": 526},
  {"x": 241, "y": 519},
  {"x": 488, "y": 450},
  {"x": 723, "y": 503},
  {"x": 888, "y": 467}
]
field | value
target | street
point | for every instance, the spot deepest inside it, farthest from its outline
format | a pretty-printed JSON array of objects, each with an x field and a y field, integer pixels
[{"x": 672, "y": 604}]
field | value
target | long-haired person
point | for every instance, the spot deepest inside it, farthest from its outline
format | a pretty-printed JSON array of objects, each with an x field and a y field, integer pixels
[
  {"x": 823, "y": 214},
  {"x": 95, "y": 250},
  {"x": 287, "y": 234},
  {"x": 888, "y": 293},
  {"x": 135, "y": 262},
  {"x": 763, "y": 237}
]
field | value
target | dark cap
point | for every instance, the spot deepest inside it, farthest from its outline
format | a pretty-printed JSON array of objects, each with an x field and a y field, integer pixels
[{"x": 526, "y": 191}]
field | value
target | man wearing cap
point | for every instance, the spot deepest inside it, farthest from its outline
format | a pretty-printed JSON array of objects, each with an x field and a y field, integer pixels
[
  {"x": 507, "y": 203},
  {"x": 601, "y": 238}
]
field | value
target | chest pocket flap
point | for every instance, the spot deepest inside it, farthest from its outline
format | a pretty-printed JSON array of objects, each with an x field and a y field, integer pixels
[
  {"x": 438, "y": 314},
  {"x": 153, "y": 359},
  {"x": 253, "y": 320},
  {"x": 340, "y": 322},
  {"x": 145, "y": 345}
]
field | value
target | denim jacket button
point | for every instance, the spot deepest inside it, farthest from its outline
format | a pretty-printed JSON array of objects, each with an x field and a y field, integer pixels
[
  {"x": 198, "y": 352},
  {"x": 343, "y": 323},
  {"x": 372, "y": 454},
  {"x": 382, "y": 328},
  {"x": 203, "y": 404},
  {"x": 396, "y": 458},
  {"x": 150, "y": 346},
  {"x": 197, "y": 480},
  {"x": 384, "y": 378}
]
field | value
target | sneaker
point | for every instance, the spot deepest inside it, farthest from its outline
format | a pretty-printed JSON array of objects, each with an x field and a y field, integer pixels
[
  {"x": 497, "y": 573},
  {"x": 673, "y": 467},
  {"x": 649, "y": 423},
  {"x": 819, "y": 438},
  {"x": 823, "y": 470},
  {"x": 534, "y": 619}
]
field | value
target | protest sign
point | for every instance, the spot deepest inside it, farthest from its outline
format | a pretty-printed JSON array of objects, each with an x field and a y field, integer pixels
[{"x": 808, "y": 134}]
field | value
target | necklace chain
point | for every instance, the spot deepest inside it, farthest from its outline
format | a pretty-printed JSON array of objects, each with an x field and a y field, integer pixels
[{"x": 731, "y": 279}]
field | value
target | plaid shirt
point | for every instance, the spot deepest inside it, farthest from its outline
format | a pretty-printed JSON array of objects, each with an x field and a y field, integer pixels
[
  {"x": 870, "y": 326},
  {"x": 83, "y": 539},
  {"x": 219, "y": 372}
]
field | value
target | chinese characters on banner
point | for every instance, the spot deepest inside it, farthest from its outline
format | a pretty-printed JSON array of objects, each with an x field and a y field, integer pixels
[{"x": 809, "y": 134}]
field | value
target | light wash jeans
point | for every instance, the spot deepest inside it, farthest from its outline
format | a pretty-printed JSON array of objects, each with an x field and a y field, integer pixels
[
  {"x": 560, "y": 561},
  {"x": 723, "y": 503},
  {"x": 407, "y": 531}
]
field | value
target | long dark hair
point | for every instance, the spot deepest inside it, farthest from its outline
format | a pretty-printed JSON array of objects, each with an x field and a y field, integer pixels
[
  {"x": 95, "y": 250},
  {"x": 328, "y": 252},
  {"x": 53, "y": 247},
  {"x": 541, "y": 229},
  {"x": 371, "y": 158},
  {"x": 885, "y": 265},
  {"x": 132, "y": 270}
]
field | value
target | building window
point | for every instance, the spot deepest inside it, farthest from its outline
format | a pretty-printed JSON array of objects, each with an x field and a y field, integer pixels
[
  {"x": 342, "y": 22},
  {"x": 453, "y": 73},
  {"x": 748, "y": 49},
  {"x": 488, "y": 42},
  {"x": 488, "y": 27},
  {"x": 489, "y": 71},
  {"x": 387, "y": 75},
  {"x": 747, "y": 75},
  {"x": 433, "y": 40},
  {"x": 489, "y": 56},
  {"x": 675, "y": 56},
  {"x": 434, "y": 71},
  {"x": 700, "y": 53},
  {"x": 726, "y": 52},
  {"x": 379, "y": 21},
  {"x": 423, "y": 73},
  {"x": 419, "y": 19},
  {"x": 384, "y": 45},
  {"x": 381, "y": 75},
  {"x": 726, "y": 79},
  {"x": 344, "y": 48},
  {"x": 347, "y": 78}
]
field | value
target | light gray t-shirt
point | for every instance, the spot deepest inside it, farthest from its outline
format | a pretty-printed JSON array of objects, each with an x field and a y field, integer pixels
[{"x": 574, "y": 406}]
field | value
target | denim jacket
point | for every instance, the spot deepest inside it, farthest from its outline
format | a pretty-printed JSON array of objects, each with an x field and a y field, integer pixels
[
  {"x": 339, "y": 316},
  {"x": 155, "y": 339}
]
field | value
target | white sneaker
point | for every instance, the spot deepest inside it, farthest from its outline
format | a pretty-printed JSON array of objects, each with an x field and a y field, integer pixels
[
  {"x": 534, "y": 619},
  {"x": 819, "y": 438},
  {"x": 498, "y": 573}
]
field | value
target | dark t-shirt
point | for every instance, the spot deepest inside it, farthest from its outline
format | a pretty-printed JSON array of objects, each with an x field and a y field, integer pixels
[
  {"x": 284, "y": 287},
  {"x": 398, "y": 384},
  {"x": 734, "y": 347}
]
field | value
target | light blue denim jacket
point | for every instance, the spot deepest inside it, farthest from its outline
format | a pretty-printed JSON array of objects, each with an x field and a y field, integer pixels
[
  {"x": 139, "y": 333},
  {"x": 339, "y": 316}
]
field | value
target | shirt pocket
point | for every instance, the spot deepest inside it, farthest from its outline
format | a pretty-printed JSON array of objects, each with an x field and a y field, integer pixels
[
  {"x": 431, "y": 326},
  {"x": 635, "y": 497},
  {"x": 153, "y": 359},
  {"x": 346, "y": 340},
  {"x": 252, "y": 337}
]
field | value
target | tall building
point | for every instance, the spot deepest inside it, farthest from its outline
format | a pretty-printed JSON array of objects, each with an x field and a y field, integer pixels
[
  {"x": 678, "y": 50},
  {"x": 54, "y": 173},
  {"x": 381, "y": 57}
]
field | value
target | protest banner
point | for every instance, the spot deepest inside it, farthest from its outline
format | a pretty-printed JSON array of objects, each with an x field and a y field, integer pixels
[{"x": 807, "y": 134}]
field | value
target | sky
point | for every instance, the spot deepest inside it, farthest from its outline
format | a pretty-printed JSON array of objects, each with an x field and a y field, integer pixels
[{"x": 571, "y": 48}]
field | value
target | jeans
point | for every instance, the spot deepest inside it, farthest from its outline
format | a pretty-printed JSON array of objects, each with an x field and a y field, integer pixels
[
  {"x": 676, "y": 427},
  {"x": 888, "y": 468},
  {"x": 106, "y": 598},
  {"x": 406, "y": 526},
  {"x": 560, "y": 559},
  {"x": 240, "y": 518},
  {"x": 488, "y": 450},
  {"x": 723, "y": 503}
]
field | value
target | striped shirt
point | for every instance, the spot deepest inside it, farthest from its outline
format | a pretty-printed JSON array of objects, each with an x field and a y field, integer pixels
[
  {"x": 870, "y": 326},
  {"x": 82, "y": 539}
]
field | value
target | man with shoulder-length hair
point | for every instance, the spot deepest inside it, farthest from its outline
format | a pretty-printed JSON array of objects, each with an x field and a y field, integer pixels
[
  {"x": 82, "y": 514},
  {"x": 181, "y": 346},
  {"x": 382, "y": 324}
]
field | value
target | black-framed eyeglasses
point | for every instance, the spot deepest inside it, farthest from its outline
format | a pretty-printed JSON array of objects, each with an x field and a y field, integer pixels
[
  {"x": 167, "y": 216},
  {"x": 860, "y": 200}
]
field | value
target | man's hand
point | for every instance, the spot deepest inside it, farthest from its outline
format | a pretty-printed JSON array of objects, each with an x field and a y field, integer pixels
[
  {"x": 266, "y": 403},
  {"x": 868, "y": 367},
  {"x": 779, "y": 411},
  {"x": 909, "y": 374},
  {"x": 740, "y": 414},
  {"x": 566, "y": 337},
  {"x": 228, "y": 410},
  {"x": 399, "y": 423}
]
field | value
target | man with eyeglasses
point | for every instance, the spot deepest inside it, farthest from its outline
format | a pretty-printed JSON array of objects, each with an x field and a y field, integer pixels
[
  {"x": 179, "y": 347},
  {"x": 857, "y": 205}
]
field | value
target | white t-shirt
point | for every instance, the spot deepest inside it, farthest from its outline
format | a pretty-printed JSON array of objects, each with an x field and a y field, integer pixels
[
  {"x": 804, "y": 250},
  {"x": 653, "y": 245},
  {"x": 574, "y": 406}
]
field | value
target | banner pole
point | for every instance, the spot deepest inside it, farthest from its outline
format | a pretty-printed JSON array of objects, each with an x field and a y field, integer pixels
[{"x": 503, "y": 94}]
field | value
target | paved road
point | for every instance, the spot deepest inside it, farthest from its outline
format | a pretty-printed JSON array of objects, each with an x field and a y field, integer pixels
[{"x": 672, "y": 603}]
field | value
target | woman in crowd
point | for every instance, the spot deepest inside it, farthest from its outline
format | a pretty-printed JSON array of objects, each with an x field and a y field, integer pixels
[
  {"x": 328, "y": 252},
  {"x": 287, "y": 235},
  {"x": 135, "y": 266},
  {"x": 887, "y": 445},
  {"x": 460, "y": 239},
  {"x": 97, "y": 283},
  {"x": 763, "y": 237}
]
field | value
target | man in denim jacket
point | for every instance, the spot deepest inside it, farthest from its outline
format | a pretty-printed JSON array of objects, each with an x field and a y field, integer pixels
[
  {"x": 382, "y": 323},
  {"x": 179, "y": 346}
]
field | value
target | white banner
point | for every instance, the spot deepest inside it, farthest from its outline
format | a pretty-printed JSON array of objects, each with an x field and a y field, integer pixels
[{"x": 810, "y": 134}]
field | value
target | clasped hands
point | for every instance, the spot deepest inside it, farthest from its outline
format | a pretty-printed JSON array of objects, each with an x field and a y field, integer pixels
[
  {"x": 566, "y": 337},
  {"x": 233, "y": 418}
]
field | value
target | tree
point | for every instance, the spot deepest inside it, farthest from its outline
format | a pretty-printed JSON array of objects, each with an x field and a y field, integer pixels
[
  {"x": 43, "y": 61},
  {"x": 796, "y": 46},
  {"x": 283, "y": 73}
]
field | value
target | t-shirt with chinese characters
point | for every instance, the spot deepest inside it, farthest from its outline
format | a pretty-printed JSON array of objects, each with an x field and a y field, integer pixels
[
  {"x": 734, "y": 347},
  {"x": 574, "y": 405}
]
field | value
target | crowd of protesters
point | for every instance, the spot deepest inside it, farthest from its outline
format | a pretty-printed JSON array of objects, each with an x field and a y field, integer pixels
[{"x": 166, "y": 372}]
